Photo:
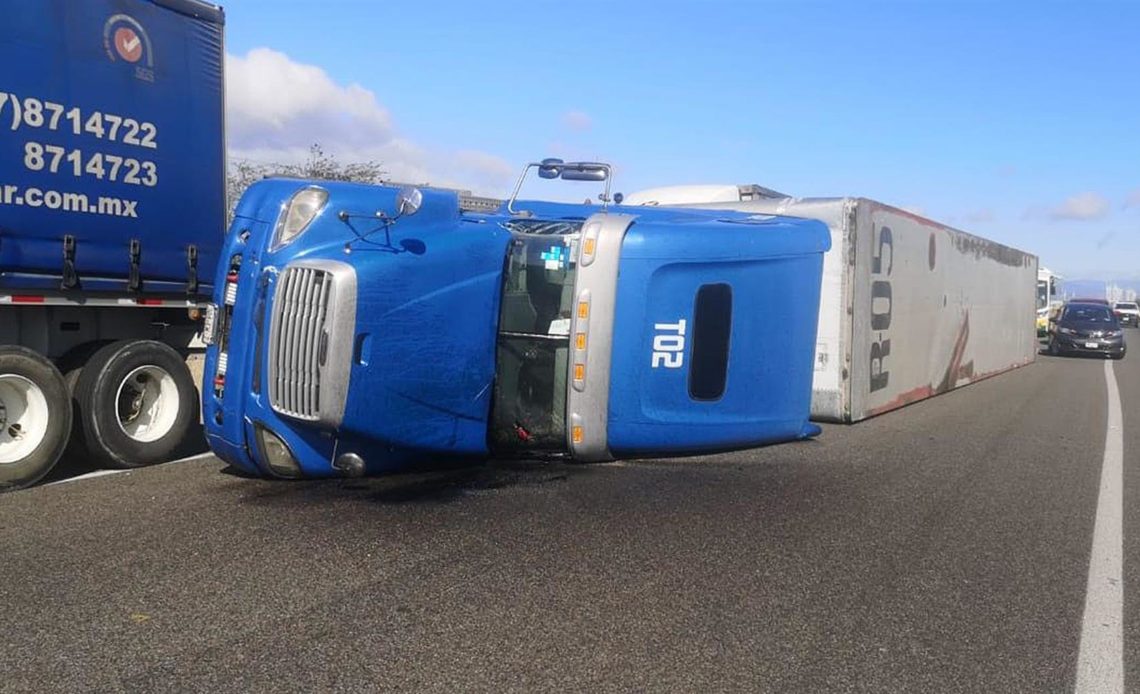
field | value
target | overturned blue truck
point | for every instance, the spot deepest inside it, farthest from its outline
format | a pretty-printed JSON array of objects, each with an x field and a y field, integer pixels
[{"x": 361, "y": 329}]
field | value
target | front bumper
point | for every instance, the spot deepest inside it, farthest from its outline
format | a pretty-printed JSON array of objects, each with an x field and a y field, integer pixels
[{"x": 1112, "y": 346}]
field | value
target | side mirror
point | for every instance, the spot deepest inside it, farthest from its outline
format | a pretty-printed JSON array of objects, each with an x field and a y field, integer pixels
[
  {"x": 409, "y": 200},
  {"x": 550, "y": 168},
  {"x": 585, "y": 171}
]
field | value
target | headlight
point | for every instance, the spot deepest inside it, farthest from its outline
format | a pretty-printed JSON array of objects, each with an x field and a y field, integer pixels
[
  {"x": 296, "y": 215},
  {"x": 1114, "y": 333},
  {"x": 276, "y": 454},
  {"x": 1066, "y": 331}
]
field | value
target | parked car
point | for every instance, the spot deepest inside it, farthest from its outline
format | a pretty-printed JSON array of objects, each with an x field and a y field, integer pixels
[
  {"x": 1127, "y": 313},
  {"x": 1087, "y": 328}
]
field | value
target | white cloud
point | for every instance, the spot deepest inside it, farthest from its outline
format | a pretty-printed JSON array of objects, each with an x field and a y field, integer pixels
[
  {"x": 276, "y": 108},
  {"x": 1081, "y": 206},
  {"x": 577, "y": 121},
  {"x": 276, "y": 102}
]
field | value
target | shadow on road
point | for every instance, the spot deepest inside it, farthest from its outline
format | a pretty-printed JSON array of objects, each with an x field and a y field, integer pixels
[
  {"x": 75, "y": 462},
  {"x": 441, "y": 482}
]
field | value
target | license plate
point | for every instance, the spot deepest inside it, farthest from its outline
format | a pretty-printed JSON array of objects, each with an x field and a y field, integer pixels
[
  {"x": 1091, "y": 345},
  {"x": 209, "y": 323}
]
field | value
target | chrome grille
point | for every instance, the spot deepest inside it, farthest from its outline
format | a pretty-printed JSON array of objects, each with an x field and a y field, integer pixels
[{"x": 297, "y": 339}]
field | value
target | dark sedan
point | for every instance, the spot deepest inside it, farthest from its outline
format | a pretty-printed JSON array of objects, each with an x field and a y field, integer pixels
[{"x": 1087, "y": 328}]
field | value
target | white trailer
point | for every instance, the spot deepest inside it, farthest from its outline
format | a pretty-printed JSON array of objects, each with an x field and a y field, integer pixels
[{"x": 909, "y": 308}]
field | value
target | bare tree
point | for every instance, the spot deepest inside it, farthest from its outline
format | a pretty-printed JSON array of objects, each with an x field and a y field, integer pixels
[{"x": 318, "y": 165}]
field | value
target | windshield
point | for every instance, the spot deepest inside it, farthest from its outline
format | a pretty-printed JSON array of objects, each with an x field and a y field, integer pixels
[
  {"x": 1088, "y": 314},
  {"x": 1126, "y": 306},
  {"x": 534, "y": 339}
]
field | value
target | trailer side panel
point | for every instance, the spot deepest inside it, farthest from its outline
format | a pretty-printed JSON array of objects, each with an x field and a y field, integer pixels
[{"x": 934, "y": 308}]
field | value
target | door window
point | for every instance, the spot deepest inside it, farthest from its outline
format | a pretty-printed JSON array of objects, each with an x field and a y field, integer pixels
[{"x": 529, "y": 410}]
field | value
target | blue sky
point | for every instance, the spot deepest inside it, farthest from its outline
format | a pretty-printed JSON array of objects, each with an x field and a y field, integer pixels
[{"x": 1016, "y": 121}]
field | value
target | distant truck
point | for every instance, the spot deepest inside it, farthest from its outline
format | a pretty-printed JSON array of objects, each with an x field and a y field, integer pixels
[
  {"x": 1048, "y": 289},
  {"x": 909, "y": 308},
  {"x": 361, "y": 329},
  {"x": 111, "y": 220}
]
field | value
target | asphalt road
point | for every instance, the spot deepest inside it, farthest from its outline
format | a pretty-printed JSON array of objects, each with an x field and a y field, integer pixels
[{"x": 940, "y": 548}]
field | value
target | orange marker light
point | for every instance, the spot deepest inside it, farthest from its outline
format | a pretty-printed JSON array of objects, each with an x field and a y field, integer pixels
[
  {"x": 580, "y": 341},
  {"x": 583, "y": 310},
  {"x": 576, "y": 434},
  {"x": 588, "y": 247},
  {"x": 579, "y": 372}
]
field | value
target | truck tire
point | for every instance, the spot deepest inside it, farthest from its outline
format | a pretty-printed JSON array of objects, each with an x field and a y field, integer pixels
[
  {"x": 136, "y": 401},
  {"x": 35, "y": 417},
  {"x": 71, "y": 366}
]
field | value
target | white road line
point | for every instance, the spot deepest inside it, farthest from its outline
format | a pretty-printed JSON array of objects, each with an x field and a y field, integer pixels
[
  {"x": 1100, "y": 665},
  {"x": 200, "y": 456},
  {"x": 88, "y": 476},
  {"x": 104, "y": 473}
]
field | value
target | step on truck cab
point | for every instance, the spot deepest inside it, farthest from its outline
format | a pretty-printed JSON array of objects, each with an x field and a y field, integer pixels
[{"x": 362, "y": 329}]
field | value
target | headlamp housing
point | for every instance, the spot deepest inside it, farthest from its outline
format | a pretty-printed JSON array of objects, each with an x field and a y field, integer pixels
[{"x": 296, "y": 215}]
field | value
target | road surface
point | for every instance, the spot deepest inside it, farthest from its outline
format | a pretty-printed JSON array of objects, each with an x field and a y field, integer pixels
[{"x": 944, "y": 547}]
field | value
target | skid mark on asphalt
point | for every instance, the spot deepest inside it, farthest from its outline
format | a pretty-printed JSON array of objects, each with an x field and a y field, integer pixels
[{"x": 1100, "y": 665}]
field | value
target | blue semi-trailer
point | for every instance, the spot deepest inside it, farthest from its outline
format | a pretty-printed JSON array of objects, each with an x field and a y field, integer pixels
[
  {"x": 360, "y": 329},
  {"x": 112, "y": 216}
]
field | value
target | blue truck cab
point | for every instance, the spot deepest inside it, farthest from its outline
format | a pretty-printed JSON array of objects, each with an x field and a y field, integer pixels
[{"x": 360, "y": 329}]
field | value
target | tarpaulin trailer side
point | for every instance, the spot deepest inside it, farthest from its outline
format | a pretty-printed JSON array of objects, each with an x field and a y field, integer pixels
[
  {"x": 111, "y": 146},
  {"x": 909, "y": 307},
  {"x": 112, "y": 214}
]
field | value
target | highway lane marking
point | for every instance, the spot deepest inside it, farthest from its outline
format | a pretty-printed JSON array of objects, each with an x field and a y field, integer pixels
[
  {"x": 104, "y": 473},
  {"x": 88, "y": 476},
  {"x": 1100, "y": 665}
]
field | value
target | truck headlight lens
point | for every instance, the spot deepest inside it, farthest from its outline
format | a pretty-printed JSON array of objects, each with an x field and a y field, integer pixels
[
  {"x": 297, "y": 214},
  {"x": 276, "y": 454}
]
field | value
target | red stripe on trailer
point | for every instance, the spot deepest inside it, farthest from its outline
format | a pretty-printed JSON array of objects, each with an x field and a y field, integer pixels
[{"x": 43, "y": 300}]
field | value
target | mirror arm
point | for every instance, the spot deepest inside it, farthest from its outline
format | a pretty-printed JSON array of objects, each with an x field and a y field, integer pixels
[
  {"x": 563, "y": 166},
  {"x": 518, "y": 187}
]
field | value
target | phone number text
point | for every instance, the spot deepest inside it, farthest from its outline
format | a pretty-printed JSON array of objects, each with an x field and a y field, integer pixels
[
  {"x": 31, "y": 112},
  {"x": 105, "y": 167}
]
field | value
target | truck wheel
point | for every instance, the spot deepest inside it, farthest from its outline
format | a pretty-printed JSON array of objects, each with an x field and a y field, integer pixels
[
  {"x": 136, "y": 401},
  {"x": 71, "y": 366},
  {"x": 35, "y": 417}
]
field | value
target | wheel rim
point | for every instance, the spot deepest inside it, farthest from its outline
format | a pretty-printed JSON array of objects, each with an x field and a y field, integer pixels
[
  {"x": 147, "y": 402},
  {"x": 23, "y": 418}
]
